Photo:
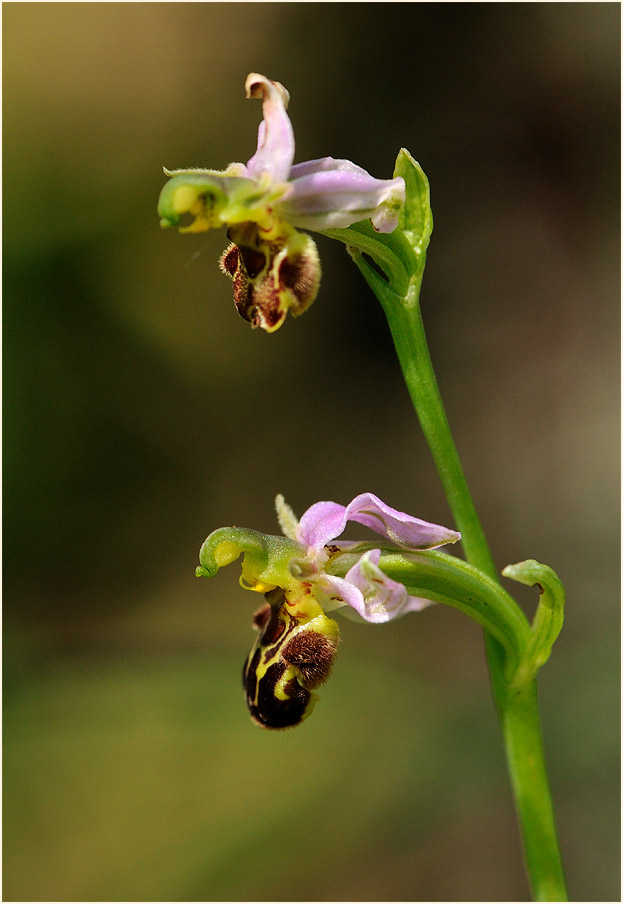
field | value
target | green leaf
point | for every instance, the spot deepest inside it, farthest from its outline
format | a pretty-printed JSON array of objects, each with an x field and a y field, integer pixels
[
  {"x": 548, "y": 618},
  {"x": 416, "y": 217}
]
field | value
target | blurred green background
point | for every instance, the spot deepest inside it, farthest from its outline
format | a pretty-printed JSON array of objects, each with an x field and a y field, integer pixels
[{"x": 141, "y": 413}]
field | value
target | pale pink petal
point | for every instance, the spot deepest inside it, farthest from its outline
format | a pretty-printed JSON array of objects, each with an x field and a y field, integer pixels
[
  {"x": 324, "y": 521},
  {"x": 321, "y": 523},
  {"x": 400, "y": 528},
  {"x": 322, "y": 164},
  {"x": 322, "y": 198},
  {"x": 380, "y": 599},
  {"x": 275, "y": 141},
  {"x": 336, "y": 593}
]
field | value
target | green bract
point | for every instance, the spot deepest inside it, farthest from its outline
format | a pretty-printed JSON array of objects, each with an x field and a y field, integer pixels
[{"x": 549, "y": 616}]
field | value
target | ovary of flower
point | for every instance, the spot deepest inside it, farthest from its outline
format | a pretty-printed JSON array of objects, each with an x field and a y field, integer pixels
[{"x": 274, "y": 268}]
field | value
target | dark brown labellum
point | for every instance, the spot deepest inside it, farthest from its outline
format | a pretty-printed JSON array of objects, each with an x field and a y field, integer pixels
[{"x": 290, "y": 658}]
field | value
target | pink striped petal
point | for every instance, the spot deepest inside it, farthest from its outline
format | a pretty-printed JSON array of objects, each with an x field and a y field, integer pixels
[
  {"x": 400, "y": 528},
  {"x": 325, "y": 521}
]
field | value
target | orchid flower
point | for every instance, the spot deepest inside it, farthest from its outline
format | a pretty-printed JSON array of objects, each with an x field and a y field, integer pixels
[
  {"x": 264, "y": 203},
  {"x": 297, "y": 642}
]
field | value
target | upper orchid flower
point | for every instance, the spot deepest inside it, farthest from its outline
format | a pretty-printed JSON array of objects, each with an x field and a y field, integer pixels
[
  {"x": 274, "y": 267},
  {"x": 297, "y": 642}
]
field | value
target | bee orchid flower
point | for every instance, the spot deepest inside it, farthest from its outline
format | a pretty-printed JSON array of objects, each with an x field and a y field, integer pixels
[
  {"x": 263, "y": 203},
  {"x": 297, "y": 642}
]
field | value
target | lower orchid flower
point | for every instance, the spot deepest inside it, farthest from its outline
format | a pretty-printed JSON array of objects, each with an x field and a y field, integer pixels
[
  {"x": 274, "y": 267},
  {"x": 297, "y": 642}
]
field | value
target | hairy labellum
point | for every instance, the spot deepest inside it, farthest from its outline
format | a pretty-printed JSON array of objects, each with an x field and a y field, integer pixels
[
  {"x": 293, "y": 654},
  {"x": 271, "y": 276}
]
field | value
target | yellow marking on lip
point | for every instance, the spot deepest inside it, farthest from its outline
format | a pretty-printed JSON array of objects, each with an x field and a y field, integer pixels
[
  {"x": 257, "y": 585},
  {"x": 226, "y": 553},
  {"x": 290, "y": 673},
  {"x": 263, "y": 587}
]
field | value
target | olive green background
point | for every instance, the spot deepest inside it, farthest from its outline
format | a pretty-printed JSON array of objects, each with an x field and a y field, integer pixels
[{"x": 141, "y": 413}]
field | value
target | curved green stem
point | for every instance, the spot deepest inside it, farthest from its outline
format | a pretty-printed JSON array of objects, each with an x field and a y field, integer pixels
[
  {"x": 435, "y": 575},
  {"x": 516, "y": 702},
  {"x": 518, "y": 712}
]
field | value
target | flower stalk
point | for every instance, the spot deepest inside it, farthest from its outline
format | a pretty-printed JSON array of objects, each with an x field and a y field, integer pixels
[{"x": 515, "y": 697}]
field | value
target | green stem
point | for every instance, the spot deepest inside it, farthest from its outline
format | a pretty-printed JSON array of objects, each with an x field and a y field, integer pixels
[
  {"x": 408, "y": 333},
  {"x": 526, "y": 763},
  {"x": 518, "y": 709}
]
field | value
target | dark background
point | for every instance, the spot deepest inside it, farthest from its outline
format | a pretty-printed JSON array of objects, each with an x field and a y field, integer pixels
[{"x": 141, "y": 413}]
